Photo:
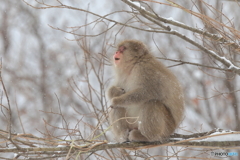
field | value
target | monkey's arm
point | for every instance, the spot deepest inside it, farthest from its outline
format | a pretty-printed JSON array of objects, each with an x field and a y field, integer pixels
[
  {"x": 136, "y": 96},
  {"x": 115, "y": 92}
]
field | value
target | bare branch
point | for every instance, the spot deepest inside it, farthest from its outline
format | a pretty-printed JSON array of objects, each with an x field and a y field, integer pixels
[
  {"x": 156, "y": 19},
  {"x": 65, "y": 148},
  {"x": 181, "y": 25}
]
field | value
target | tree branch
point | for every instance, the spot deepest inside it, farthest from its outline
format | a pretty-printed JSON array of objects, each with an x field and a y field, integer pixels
[
  {"x": 64, "y": 147},
  {"x": 156, "y": 19},
  {"x": 181, "y": 25}
]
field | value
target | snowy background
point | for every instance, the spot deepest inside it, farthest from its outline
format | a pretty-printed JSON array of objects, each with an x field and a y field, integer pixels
[{"x": 56, "y": 80}]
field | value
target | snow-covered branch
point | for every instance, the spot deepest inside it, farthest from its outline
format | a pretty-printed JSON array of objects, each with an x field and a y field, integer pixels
[
  {"x": 153, "y": 17},
  {"x": 33, "y": 145},
  {"x": 173, "y": 22}
]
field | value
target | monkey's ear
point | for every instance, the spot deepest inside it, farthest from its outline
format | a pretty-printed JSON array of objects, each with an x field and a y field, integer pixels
[
  {"x": 141, "y": 50},
  {"x": 136, "y": 47}
]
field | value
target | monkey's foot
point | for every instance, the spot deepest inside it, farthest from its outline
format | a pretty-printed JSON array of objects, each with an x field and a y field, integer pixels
[
  {"x": 126, "y": 141},
  {"x": 122, "y": 135},
  {"x": 135, "y": 135}
]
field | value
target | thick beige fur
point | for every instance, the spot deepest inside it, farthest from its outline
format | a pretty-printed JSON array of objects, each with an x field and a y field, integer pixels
[{"x": 146, "y": 98}]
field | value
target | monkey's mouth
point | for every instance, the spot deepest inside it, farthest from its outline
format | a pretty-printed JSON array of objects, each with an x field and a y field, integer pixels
[{"x": 116, "y": 59}]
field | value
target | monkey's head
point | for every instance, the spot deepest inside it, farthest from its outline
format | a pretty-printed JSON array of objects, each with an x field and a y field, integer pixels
[{"x": 129, "y": 52}]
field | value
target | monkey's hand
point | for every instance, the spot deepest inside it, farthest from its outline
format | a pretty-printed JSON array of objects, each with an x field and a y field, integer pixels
[
  {"x": 115, "y": 92},
  {"x": 134, "y": 97}
]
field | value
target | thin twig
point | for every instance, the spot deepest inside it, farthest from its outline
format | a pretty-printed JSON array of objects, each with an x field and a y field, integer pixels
[{"x": 9, "y": 108}]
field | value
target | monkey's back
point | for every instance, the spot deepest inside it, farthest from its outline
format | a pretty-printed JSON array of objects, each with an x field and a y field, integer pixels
[{"x": 160, "y": 83}]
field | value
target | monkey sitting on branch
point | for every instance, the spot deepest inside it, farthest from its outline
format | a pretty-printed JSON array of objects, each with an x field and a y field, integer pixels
[{"x": 146, "y": 98}]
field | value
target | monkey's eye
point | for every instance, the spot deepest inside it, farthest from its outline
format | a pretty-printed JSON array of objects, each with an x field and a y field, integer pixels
[{"x": 121, "y": 48}]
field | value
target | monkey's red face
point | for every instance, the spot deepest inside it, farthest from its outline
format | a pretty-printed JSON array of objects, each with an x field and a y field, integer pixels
[{"x": 118, "y": 55}]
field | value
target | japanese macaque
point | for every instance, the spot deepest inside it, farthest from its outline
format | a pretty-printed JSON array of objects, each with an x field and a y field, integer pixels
[{"x": 146, "y": 98}]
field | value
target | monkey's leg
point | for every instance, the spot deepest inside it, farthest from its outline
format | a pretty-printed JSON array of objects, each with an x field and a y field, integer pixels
[
  {"x": 119, "y": 124},
  {"x": 155, "y": 121}
]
